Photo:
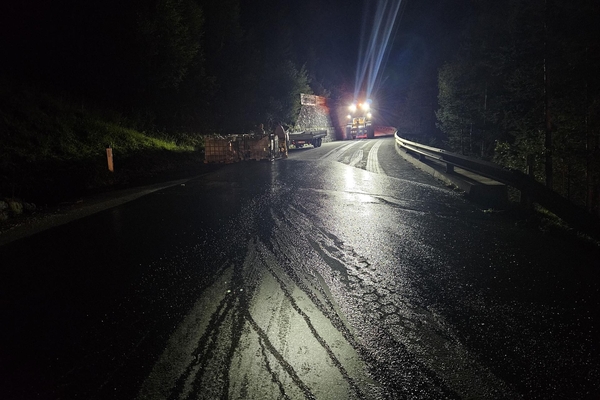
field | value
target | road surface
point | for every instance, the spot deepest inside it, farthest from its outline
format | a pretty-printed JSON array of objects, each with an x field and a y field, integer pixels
[{"x": 339, "y": 273}]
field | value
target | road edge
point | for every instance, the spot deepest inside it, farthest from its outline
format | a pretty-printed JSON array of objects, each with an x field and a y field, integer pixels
[{"x": 81, "y": 209}]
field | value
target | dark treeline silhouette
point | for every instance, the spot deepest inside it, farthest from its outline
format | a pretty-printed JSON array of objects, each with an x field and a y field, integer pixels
[
  {"x": 525, "y": 86},
  {"x": 202, "y": 66}
]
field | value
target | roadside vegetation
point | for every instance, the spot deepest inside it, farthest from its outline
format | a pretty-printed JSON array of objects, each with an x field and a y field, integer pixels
[
  {"x": 524, "y": 90},
  {"x": 52, "y": 149}
]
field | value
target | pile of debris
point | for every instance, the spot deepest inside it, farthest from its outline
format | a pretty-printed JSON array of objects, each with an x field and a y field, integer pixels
[{"x": 234, "y": 148}]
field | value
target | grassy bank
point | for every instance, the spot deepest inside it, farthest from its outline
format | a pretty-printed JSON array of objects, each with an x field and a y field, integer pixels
[{"x": 53, "y": 148}]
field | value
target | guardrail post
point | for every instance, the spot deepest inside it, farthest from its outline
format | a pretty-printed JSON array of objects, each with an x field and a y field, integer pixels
[
  {"x": 526, "y": 200},
  {"x": 530, "y": 163}
]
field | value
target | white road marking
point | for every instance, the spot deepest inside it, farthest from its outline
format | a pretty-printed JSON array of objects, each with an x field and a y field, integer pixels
[{"x": 372, "y": 159}]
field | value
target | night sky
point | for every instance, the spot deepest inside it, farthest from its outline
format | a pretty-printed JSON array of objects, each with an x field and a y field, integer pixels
[
  {"x": 327, "y": 38},
  {"x": 324, "y": 35},
  {"x": 425, "y": 34}
]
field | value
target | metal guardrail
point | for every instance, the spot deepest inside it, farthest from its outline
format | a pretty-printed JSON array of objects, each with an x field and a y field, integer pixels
[
  {"x": 531, "y": 190},
  {"x": 480, "y": 167}
]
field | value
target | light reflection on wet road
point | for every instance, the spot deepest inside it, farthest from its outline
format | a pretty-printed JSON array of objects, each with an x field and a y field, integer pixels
[{"x": 341, "y": 272}]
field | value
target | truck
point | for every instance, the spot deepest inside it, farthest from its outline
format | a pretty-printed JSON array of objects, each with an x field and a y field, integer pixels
[
  {"x": 360, "y": 120},
  {"x": 304, "y": 138},
  {"x": 312, "y": 118}
]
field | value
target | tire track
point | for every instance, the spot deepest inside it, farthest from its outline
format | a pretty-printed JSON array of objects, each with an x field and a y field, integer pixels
[
  {"x": 356, "y": 158},
  {"x": 274, "y": 375},
  {"x": 236, "y": 333},
  {"x": 426, "y": 344},
  {"x": 267, "y": 345},
  {"x": 315, "y": 333},
  {"x": 335, "y": 153}
]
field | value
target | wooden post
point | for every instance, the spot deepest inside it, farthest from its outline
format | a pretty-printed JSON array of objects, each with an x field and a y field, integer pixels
[{"x": 109, "y": 158}]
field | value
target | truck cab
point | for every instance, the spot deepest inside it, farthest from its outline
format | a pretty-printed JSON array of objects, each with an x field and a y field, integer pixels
[{"x": 359, "y": 121}]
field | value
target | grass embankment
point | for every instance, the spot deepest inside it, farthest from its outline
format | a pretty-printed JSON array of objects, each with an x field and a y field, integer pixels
[{"x": 52, "y": 149}]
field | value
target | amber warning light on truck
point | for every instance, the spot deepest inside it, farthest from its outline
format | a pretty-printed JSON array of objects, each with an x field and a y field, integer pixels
[{"x": 360, "y": 120}]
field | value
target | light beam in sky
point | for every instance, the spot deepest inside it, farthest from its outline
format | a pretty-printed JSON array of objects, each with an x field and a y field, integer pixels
[{"x": 373, "y": 51}]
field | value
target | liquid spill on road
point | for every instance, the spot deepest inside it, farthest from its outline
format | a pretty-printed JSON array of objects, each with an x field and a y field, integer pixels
[
  {"x": 343, "y": 293},
  {"x": 306, "y": 316},
  {"x": 410, "y": 348},
  {"x": 257, "y": 335},
  {"x": 281, "y": 282}
]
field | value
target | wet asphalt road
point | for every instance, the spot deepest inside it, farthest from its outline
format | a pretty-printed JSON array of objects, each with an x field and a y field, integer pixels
[{"x": 341, "y": 272}]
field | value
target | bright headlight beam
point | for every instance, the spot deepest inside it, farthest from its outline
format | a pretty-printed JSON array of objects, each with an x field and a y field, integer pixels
[{"x": 370, "y": 59}]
